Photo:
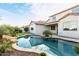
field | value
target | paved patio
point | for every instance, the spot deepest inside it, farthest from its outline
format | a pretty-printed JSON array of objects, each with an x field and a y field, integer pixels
[{"x": 66, "y": 38}]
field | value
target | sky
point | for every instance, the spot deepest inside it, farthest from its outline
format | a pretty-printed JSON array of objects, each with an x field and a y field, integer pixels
[{"x": 20, "y": 14}]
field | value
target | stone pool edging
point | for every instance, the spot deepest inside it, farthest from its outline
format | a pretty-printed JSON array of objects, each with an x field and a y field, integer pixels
[{"x": 14, "y": 45}]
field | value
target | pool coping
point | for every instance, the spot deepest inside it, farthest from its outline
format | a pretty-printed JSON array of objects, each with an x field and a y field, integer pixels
[
  {"x": 76, "y": 40},
  {"x": 14, "y": 45},
  {"x": 67, "y": 38}
]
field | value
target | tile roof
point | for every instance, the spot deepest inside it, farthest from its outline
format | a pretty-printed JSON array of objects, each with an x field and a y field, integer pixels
[{"x": 38, "y": 22}]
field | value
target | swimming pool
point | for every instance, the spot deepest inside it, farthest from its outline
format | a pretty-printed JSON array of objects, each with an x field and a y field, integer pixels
[{"x": 51, "y": 45}]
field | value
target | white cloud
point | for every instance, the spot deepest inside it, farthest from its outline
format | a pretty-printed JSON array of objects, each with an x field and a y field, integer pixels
[
  {"x": 38, "y": 12},
  {"x": 44, "y": 10}
]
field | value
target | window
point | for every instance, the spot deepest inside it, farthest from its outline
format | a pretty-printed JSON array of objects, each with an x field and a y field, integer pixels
[
  {"x": 70, "y": 26},
  {"x": 53, "y": 27},
  {"x": 75, "y": 10},
  {"x": 66, "y": 25},
  {"x": 54, "y": 17},
  {"x": 32, "y": 28}
]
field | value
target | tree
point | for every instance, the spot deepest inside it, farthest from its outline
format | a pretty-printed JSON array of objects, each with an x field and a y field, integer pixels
[
  {"x": 6, "y": 30},
  {"x": 26, "y": 28},
  {"x": 18, "y": 30}
]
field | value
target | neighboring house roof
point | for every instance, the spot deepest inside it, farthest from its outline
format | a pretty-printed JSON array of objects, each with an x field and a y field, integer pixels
[{"x": 38, "y": 22}]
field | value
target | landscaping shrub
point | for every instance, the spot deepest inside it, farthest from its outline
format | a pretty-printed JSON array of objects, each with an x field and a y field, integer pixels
[
  {"x": 17, "y": 30},
  {"x": 6, "y": 30},
  {"x": 26, "y": 28},
  {"x": 5, "y": 46},
  {"x": 42, "y": 54},
  {"x": 46, "y": 33},
  {"x": 1, "y": 33},
  {"x": 26, "y": 36},
  {"x": 77, "y": 48},
  {"x": 9, "y": 30}
]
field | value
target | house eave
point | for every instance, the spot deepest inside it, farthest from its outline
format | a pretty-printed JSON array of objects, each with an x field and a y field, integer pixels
[
  {"x": 56, "y": 22},
  {"x": 52, "y": 23},
  {"x": 63, "y": 11}
]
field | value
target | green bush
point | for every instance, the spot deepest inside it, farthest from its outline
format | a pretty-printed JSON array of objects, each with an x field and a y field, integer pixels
[
  {"x": 42, "y": 54},
  {"x": 17, "y": 30},
  {"x": 77, "y": 48},
  {"x": 26, "y": 28},
  {"x": 1, "y": 33},
  {"x": 26, "y": 36},
  {"x": 5, "y": 46},
  {"x": 6, "y": 30},
  {"x": 47, "y": 33},
  {"x": 9, "y": 30}
]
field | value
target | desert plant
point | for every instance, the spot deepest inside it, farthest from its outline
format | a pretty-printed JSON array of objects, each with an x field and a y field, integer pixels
[
  {"x": 6, "y": 30},
  {"x": 26, "y": 36},
  {"x": 42, "y": 54},
  {"x": 9, "y": 30},
  {"x": 77, "y": 48},
  {"x": 18, "y": 30},
  {"x": 1, "y": 33},
  {"x": 5, "y": 46},
  {"x": 46, "y": 33}
]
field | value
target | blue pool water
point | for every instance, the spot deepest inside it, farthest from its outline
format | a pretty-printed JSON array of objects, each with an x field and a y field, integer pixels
[{"x": 56, "y": 46}]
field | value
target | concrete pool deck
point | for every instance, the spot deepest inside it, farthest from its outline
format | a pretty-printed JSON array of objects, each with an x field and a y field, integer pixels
[
  {"x": 66, "y": 38},
  {"x": 30, "y": 50}
]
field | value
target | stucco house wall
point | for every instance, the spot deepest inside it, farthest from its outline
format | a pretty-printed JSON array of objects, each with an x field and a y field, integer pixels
[
  {"x": 37, "y": 29},
  {"x": 40, "y": 29},
  {"x": 62, "y": 14},
  {"x": 58, "y": 16},
  {"x": 33, "y": 26},
  {"x": 51, "y": 19},
  {"x": 72, "y": 18},
  {"x": 53, "y": 31}
]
